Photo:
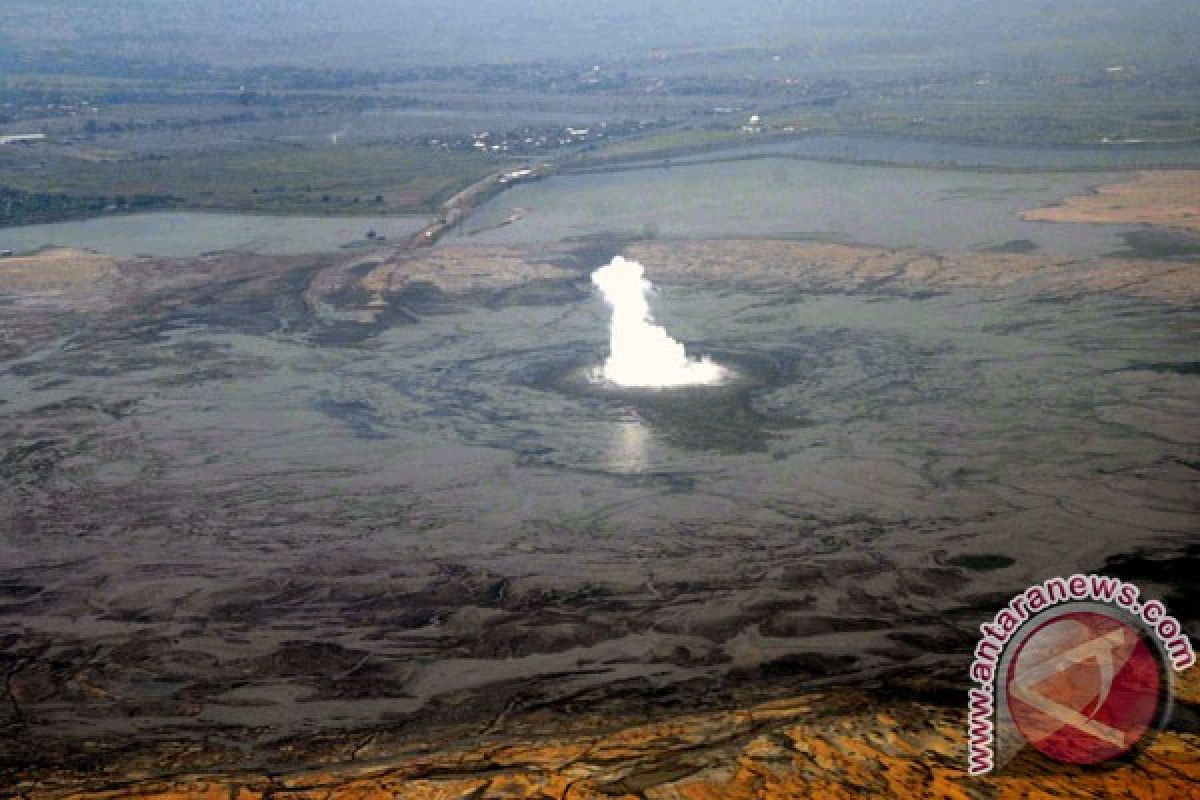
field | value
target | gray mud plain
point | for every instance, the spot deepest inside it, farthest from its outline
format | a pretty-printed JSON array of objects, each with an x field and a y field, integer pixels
[{"x": 235, "y": 526}]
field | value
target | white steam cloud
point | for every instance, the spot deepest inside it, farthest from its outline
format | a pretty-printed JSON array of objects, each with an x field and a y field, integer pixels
[{"x": 642, "y": 354}]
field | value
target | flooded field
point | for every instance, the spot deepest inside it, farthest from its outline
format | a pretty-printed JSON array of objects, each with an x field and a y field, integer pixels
[
  {"x": 928, "y": 209},
  {"x": 186, "y": 234},
  {"x": 890, "y": 150}
]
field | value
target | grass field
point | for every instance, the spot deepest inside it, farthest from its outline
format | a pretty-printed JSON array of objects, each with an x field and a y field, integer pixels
[{"x": 383, "y": 178}]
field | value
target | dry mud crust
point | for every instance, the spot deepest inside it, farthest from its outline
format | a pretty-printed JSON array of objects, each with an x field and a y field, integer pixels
[
  {"x": 1166, "y": 198},
  {"x": 817, "y": 267},
  {"x": 831, "y": 745}
]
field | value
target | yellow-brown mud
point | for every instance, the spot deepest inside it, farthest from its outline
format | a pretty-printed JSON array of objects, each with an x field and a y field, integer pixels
[{"x": 1169, "y": 198}]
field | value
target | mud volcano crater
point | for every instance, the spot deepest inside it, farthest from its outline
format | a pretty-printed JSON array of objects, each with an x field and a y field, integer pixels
[
  {"x": 719, "y": 417},
  {"x": 746, "y": 371}
]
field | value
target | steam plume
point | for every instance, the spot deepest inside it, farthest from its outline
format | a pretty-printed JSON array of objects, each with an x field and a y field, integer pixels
[{"x": 642, "y": 354}]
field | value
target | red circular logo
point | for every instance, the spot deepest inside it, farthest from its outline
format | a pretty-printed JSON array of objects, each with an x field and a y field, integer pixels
[{"x": 1084, "y": 687}]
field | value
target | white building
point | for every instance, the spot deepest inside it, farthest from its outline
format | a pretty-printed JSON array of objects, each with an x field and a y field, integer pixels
[{"x": 22, "y": 138}]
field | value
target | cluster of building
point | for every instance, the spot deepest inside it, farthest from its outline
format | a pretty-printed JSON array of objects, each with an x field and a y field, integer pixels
[
  {"x": 41, "y": 104},
  {"x": 531, "y": 140}
]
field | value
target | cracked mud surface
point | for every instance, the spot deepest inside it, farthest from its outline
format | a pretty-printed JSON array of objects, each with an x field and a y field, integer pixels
[{"x": 258, "y": 512}]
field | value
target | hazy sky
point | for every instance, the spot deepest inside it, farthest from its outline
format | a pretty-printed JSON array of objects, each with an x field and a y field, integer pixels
[{"x": 367, "y": 33}]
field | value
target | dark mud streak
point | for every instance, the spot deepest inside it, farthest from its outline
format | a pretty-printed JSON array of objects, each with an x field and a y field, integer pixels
[
  {"x": 981, "y": 562},
  {"x": 1012, "y": 246},
  {"x": 1179, "y": 572},
  {"x": 1157, "y": 243},
  {"x": 1174, "y": 367},
  {"x": 17, "y": 714},
  {"x": 359, "y": 416}
]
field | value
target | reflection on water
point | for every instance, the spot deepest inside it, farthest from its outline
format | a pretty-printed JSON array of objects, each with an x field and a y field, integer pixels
[{"x": 629, "y": 445}]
